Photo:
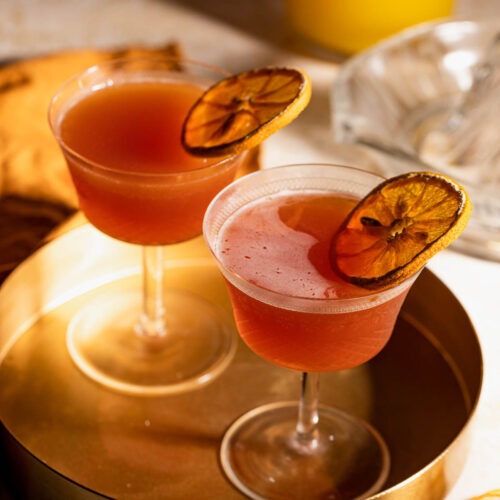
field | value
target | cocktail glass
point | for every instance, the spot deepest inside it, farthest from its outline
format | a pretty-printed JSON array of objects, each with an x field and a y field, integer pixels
[
  {"x": 289, "y": 450},
  {"x": 149, "y": 340}
]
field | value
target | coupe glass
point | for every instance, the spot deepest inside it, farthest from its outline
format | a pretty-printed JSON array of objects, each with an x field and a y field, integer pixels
[
  {"x": 299, "y": 449},
  {"x": 149, "y": 340}
]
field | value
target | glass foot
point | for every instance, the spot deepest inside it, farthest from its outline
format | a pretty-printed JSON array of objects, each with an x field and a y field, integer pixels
[
  {"x": 265, "y": 458},
  {"x": 105, "y": 343}
]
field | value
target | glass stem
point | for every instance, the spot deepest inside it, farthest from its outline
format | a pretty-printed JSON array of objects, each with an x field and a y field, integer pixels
[
  {"x": 152, "y": 320},
  {"x": 307, "y": 425}
]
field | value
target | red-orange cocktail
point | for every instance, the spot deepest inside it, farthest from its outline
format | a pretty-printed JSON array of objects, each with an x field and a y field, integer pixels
[
  {"x": 290, "y": 235},
  {"x": 136, "y": 182},
  {"x": 271, "y": 234},
  {"x": 119, "y": 126}
]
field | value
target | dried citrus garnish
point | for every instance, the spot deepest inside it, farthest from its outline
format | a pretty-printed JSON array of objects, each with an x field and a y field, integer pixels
[
  {"x": 490, "y": 495},
  {"x": 241, "y": 111},
  {"x": 397, "y": 227}
]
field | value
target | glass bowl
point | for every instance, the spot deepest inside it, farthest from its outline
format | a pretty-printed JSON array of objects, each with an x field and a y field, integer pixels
[{"x": 384, "y": 98}]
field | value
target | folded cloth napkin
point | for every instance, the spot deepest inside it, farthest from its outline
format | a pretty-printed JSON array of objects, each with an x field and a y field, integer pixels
[
  {"x": 23, "y": 224},
  {"x": 31, "y": 164},
  {"x": 36, "y": 192}
]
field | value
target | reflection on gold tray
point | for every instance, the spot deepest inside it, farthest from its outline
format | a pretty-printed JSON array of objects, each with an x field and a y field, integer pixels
[{"x": 420, "y": 392}]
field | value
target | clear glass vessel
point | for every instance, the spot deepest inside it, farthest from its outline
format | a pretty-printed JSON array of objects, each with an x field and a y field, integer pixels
[
  {"x": 300, "y": 449},
  {"x": 426, "y": 99},
  {"x": 118, "y": 125}
]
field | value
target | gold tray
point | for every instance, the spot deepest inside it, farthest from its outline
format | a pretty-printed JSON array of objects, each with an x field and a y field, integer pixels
[{"x": 66, "y": 437}]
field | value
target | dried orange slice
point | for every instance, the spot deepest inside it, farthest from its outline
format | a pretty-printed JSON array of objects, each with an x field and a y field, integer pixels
[
  {"x": 241, "y": 111},
  {"x": 397, "y": 227},
  {"x": 494, "y": 494}
]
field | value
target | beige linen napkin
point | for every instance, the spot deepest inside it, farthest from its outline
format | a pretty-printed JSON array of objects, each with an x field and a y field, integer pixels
[{"x": 36, "y": 192}]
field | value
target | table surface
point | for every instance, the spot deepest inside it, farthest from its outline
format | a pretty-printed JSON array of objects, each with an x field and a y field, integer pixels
[{"x": 250, "y": 33}]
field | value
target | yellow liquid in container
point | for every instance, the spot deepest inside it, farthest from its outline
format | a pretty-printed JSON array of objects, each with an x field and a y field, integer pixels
[{"x": 348, "y": 26}]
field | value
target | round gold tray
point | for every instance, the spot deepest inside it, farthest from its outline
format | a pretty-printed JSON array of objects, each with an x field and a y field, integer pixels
[{"x": 66, "y": 437}]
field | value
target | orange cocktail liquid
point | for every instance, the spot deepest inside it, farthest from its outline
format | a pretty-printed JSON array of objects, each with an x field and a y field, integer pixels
[
  {"x": 281, "y": 243},
  {"x": 134, "y": 180}
]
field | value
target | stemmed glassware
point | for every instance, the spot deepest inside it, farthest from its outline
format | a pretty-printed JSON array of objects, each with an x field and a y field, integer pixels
[
  {"x": 293, "y": 311},
  {"x": 119, "y": 127}
]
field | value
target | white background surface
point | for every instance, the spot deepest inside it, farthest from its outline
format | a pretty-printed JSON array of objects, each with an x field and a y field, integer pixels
[{"x": 242, "y": 34}]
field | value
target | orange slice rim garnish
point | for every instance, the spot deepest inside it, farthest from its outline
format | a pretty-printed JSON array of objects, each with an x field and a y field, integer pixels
[
  {"x": 397, "y": 227},
  {"x": 490, "y": 494},
  {"x": 239, "y": 112}
]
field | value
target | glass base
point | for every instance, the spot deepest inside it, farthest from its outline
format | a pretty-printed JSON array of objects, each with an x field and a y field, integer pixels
[
  {"x": 265, "y": 458},
  {"x": 105, "y": 342}
]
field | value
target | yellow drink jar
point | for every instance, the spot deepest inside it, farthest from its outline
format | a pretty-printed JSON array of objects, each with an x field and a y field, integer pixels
[{"x": 348, "y": 26}]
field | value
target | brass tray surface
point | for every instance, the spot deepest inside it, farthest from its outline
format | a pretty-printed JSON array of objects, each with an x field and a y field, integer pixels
[{"x": 79, "y": 440}]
